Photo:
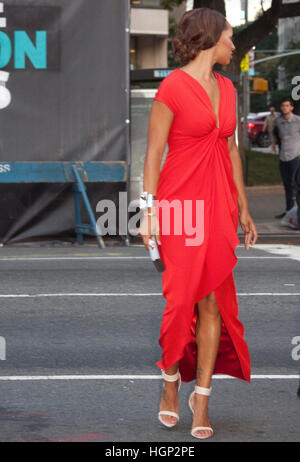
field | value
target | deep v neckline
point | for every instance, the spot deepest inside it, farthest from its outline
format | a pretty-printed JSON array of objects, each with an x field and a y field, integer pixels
[{"x": 208, "y": 98}]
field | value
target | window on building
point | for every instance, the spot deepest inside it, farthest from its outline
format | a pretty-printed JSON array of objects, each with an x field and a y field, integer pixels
[
  {"x": 146, "y": 3},
  {"x": 133, "y": 52}
]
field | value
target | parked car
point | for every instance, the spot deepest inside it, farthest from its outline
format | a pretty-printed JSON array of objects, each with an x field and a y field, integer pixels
[{"x": 255, "y": 126}]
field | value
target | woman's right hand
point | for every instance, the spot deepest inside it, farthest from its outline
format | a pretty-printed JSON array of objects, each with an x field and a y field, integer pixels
[{"x": 149, "y": 227}]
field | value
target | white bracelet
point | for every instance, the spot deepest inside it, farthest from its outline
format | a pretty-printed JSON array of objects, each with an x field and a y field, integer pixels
[{"x": 146, "y": 200}]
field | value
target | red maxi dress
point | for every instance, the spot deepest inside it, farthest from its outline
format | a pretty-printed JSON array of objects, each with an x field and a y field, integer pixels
[{"x": 198, "y": 169}]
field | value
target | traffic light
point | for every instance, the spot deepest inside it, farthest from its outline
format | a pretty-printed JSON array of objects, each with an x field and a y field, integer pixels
[
  {"x": 260, "y": 85},
  {"x": 245, "y": 63}
]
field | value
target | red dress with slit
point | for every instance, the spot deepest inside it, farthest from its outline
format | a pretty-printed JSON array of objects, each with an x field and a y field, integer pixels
[{"x": 196, "y": 182}]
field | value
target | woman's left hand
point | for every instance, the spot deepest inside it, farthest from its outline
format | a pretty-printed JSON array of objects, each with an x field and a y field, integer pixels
[{"x": 248, "y": 227}]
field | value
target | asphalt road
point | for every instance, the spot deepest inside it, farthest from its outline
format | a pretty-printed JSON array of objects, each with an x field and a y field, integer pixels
[{"x": 81, "y": 330}]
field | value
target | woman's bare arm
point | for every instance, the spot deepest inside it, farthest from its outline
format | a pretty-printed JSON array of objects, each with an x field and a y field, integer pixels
[
  {"x": 245, "y": 218},
  {"x": 237, "y": 172},
  {"x": 160, "y": 121}
]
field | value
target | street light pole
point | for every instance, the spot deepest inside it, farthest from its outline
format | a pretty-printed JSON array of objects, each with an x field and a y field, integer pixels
[{"x": 245, "y": 93}]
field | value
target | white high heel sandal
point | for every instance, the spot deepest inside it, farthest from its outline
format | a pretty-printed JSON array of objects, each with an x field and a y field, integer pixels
[
  {"x": 200, "y": 391},
  {"x": 170, "y": 378}
]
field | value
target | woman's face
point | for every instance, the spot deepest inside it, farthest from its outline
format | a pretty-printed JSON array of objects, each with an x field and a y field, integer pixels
[{"x": 225, "y": 46}]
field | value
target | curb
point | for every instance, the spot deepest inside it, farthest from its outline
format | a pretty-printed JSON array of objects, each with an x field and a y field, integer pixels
[{"x": 264, "y": 190}]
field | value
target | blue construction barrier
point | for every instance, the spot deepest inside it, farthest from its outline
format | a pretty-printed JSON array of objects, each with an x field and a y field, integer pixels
[{"x": 78, "y": 173}]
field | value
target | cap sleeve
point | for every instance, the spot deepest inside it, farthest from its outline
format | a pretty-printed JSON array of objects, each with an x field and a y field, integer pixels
[{"x": 166, "y": 94}]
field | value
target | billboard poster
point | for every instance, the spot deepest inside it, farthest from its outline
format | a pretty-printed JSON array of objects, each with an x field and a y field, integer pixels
[{"x": 62, "y": 98}]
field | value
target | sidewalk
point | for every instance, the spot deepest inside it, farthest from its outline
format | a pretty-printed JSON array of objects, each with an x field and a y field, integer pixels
[{"x": 264, "y": 203}]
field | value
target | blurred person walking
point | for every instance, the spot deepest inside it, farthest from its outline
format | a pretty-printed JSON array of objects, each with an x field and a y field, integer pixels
[
  {"x": 194, "y": 111},
  {"x": 269, "y": 125},
  {"x": 287, "y": 128}
]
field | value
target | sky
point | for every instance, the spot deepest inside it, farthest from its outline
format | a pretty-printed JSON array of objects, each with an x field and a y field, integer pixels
[{"x": 234, "y": 12}]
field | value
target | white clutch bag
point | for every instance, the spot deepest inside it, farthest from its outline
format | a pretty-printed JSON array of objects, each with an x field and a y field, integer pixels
[{"x": 154, "y": 254}]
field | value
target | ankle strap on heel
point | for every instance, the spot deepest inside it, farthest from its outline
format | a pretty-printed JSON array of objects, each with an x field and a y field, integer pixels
[
  {"x": 170, "y": 378},
  {"x": 202, "y": 390}
]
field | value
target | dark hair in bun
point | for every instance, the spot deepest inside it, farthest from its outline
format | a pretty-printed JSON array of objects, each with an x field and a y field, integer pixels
[{"x": 198, "y": 29}]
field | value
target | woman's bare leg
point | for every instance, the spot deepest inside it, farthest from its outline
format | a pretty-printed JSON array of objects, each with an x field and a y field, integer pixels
[
  {"x": 208, "y": 331},
  {"x": 169, "y": 400}
]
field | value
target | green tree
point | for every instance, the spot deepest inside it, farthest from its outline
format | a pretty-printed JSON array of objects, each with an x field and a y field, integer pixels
[
  {"x": 173, "y": 60},
  {"x": 291, "y": 63},
  {"x": 268, "y": 69}
]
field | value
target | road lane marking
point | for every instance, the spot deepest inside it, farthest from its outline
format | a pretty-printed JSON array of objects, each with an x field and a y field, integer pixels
[
  {"x": 124, "y": 294},
  {"x": 278, "y": 251},
  {"x": 290, "y": 251},
  {"x": 122, "y": 258},
  {"x": 132, "y": 377}
]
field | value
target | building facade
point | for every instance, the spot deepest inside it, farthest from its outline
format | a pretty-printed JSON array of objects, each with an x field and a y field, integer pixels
[
  {"x": 149, "y": 30},
  {"x": 288, "y": 30}
]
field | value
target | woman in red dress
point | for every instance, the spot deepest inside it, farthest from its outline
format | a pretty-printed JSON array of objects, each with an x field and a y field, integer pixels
[{"x": 194, "y": 111}]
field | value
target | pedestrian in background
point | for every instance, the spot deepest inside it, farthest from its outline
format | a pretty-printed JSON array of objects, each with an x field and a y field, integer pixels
[
  {"x": 297, "y": 186},
  {"x": 269, "y": 125},
  {"x": 287, "y": 125}
]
